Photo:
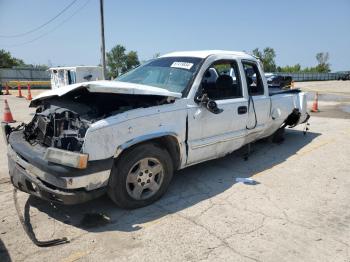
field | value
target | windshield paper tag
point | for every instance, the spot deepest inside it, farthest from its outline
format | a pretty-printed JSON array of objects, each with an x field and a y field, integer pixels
[{"x": 183, "y": 65}]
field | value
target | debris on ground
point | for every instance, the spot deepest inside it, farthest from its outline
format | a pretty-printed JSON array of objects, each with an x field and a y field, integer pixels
[{"x": 247, "y": 181}]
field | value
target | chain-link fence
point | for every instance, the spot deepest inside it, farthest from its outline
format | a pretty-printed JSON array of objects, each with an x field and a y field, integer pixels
[
  {"x": 12, "y": 77},
  {"x": 298, "y": 77},
  {"x": 23, "y": 74}
]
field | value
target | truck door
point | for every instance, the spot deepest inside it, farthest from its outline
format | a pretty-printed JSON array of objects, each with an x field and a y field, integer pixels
[
  {"x": 258, "y": 100},
  {"x": 213, "y": 135}
]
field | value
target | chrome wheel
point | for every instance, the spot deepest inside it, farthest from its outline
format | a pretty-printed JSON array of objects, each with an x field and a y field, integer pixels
[{"x": 144, "y": 178}]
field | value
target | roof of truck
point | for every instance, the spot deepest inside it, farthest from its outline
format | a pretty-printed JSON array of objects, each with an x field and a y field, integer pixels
[{"x": 206, "y": 53}]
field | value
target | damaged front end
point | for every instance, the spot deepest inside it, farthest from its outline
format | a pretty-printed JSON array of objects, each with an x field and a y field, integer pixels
[
  {"x": 62, "y": 122},
  {"x": 57, "y": 127},
  {"x": 46, "y": 156}
]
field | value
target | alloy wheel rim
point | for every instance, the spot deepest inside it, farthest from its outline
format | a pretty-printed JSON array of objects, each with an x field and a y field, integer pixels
[{"x": 144, "y": 178}]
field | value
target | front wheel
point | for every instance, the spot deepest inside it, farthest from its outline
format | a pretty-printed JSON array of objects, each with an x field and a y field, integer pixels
[{"x": 140, "y": 176}]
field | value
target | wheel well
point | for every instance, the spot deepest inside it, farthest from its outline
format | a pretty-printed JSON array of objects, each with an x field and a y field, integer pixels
[
  {"x": 170, "y": 143},
  {"x": 172, "y": 146}
]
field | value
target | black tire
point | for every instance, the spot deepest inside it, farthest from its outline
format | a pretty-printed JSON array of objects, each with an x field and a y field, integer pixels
[{"x": 117, "y": 185}]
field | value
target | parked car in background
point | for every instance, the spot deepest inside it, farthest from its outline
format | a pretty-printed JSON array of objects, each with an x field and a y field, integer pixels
[
  {"x": 279, "y": 81},
  {"x": 343, "y": 75}
]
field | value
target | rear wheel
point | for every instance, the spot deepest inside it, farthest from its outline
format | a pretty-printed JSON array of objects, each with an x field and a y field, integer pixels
[{"x": 140, "y": 176}]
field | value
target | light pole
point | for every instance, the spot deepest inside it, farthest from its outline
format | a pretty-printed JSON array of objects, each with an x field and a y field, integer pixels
[{"x": 103, "y": 49}]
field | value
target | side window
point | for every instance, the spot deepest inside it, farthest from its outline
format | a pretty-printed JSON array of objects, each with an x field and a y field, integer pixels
[
  {"x": 254, "y": 81},
  {"x": 222, "y": 81},
  {"x": 71, "y": 77}
]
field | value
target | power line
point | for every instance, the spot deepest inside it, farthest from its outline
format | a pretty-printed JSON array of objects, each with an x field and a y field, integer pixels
[
  {"x": 55, "y": 28},
  {"x": 41, "y": 26}
]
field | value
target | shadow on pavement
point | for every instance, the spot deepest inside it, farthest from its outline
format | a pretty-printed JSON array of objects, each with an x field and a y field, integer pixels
[
  {"x": 189, "y": 187},
  {"x": 4, "y": 254}
]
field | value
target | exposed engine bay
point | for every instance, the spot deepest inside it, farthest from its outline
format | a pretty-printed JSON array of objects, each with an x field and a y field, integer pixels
[
  {"x": 57, "y": 127},
  {"x": 62, "y": 122}
]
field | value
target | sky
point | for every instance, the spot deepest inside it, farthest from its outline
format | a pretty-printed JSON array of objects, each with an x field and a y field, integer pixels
[{"x": 297, "y": 30}]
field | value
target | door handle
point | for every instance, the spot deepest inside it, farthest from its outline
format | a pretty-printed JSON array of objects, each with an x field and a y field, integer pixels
[{"x": 242, "y": 110}]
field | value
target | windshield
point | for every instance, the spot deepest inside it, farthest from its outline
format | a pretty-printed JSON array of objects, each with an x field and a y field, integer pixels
[{"x": 171, "y": 73}]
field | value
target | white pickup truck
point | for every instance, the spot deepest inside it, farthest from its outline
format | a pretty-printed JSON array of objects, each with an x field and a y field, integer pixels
[{"x": 127, "y": 137}]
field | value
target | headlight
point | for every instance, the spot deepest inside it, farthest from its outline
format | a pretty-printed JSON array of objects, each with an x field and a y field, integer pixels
[{"x": 66, "y": 158}]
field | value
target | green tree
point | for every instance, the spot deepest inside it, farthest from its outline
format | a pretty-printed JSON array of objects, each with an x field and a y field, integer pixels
[
  {"x": 289, "y": 69},
  {"x": 267, "y": 57},
  {"x": 41, "y": 66},
  {"x": 118, "y": 61},
  {"x": 323, "y": 66},
  {"x": 132, "y": 60},
  {"x": 311, "y": 69},
  {"x": 8, "y": 61}
]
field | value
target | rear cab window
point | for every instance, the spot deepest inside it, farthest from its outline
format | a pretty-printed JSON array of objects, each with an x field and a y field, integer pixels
[{"x": 253, "y": 77}]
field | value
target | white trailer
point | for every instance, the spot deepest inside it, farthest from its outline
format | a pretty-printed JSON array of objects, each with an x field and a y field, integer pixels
[{"x": 63, "y": 76}]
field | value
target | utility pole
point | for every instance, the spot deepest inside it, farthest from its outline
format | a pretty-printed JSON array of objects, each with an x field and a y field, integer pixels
[{"x": 103, "y": 49}]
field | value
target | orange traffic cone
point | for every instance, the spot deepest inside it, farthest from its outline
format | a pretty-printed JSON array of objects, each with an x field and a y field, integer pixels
[
  {"x": 315, "y": 104},
  {"x": 29, "y": 97},
  {"x": 7, "y": 114},
  {"x": 7, "y": 89},
  {"x": 19, "y": 91}
]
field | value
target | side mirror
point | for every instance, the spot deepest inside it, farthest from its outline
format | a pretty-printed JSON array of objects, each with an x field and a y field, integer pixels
[{"x": 211, "y": 105}]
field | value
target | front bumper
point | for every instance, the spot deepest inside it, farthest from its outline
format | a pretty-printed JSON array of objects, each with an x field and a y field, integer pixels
[
  {"x": 32, "y": 185},
  {"x": 31, "y": 173}
]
